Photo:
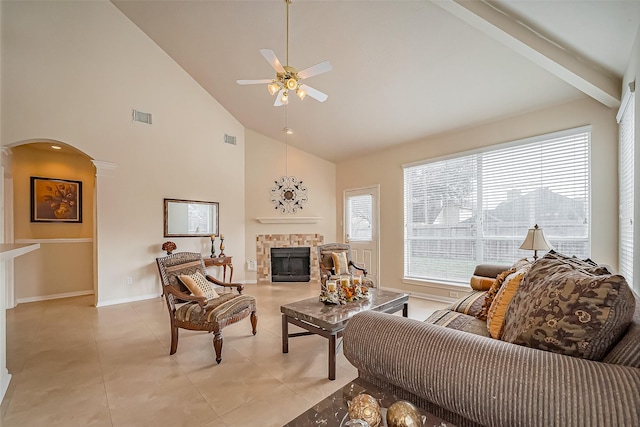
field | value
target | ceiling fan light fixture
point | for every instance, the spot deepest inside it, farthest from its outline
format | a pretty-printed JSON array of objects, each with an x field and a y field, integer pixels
[
  {"x": 292, "y": 84},
  {"x": 273, "y": 88},
  {"x": 288, "y": 78}
]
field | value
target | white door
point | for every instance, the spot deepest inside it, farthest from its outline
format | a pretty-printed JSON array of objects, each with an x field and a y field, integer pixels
[{"x": 361, "y": 228}]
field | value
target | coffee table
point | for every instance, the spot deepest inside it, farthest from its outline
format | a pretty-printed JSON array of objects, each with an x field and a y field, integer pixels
[
  {"x": 329, "y": 321},
  {"x": 333, "y": 410}
]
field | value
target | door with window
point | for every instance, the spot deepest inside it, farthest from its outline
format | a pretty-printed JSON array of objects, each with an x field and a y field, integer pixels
[{"x": 361, "y": 228}]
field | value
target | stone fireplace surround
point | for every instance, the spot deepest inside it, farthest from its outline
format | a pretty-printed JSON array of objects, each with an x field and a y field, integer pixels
[{"x": 264, "y": 243}]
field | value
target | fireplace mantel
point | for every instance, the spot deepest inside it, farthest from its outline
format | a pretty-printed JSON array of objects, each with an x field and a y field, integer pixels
[{"x": 289, "y": 220}]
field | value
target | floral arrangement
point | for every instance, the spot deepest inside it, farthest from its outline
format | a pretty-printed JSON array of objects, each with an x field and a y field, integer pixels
[
  {"x": 169, "y": 247},
  {"x": 343, "y": 293}
]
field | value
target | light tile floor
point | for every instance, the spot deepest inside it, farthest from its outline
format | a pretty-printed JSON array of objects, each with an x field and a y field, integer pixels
[{"x": 77, "y": 365}]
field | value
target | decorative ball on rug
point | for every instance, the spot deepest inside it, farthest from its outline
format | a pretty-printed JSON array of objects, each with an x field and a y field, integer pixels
[
  {"x": 365, "y": 407},
  {"x": 404, "y": 414}
]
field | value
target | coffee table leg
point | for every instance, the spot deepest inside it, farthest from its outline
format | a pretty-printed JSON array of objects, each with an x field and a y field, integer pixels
[
  {"x": 405, "y": 310},
  {"x": 332, "y": 357},
  {"x": 285, "y": 334}
]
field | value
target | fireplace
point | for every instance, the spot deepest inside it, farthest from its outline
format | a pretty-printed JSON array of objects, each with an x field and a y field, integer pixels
[
  {"x": 266, "y": 242},
  {"x": 290, "y": 264}
]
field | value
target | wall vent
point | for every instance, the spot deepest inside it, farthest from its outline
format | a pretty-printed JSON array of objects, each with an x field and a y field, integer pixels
[
  {"x": 228, "y": 139},
  {"x": 142, "y": 117}
]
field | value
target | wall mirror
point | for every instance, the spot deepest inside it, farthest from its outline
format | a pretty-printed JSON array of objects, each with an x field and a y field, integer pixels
[{"x": 190, "y": 218}]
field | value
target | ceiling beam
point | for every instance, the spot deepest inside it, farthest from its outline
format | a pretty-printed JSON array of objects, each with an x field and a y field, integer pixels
[{"x": 541, "y": 51}]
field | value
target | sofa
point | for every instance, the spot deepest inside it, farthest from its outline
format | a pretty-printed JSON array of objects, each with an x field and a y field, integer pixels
[{"x": 452, "y": 367}]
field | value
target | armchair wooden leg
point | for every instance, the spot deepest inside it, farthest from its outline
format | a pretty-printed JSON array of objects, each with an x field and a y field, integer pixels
[
  {"x": 174, "y": 340},
  {"x": 217, "y": 345},
  {"x": 254, "y": 322}
]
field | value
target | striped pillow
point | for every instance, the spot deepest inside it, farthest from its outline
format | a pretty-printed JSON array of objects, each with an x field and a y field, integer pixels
[{"x": 340, "y": 263}]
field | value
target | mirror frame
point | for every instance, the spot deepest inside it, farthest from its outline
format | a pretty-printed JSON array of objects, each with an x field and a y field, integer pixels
[{"x": 166, "y": 218}]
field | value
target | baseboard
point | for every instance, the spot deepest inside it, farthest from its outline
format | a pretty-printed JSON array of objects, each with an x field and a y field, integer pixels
[
  {"x": 250, "y": 282},
  {"x": 54, "y": 296},
  {"x": 430, "y": 297},
  {"x": 126, "y": 300}
]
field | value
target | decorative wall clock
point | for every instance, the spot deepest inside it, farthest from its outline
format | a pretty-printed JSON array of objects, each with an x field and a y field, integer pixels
[{"x": 288, "y": 195}]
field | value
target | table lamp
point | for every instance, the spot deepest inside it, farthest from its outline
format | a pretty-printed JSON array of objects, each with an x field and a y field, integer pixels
[{"x": 535, "y": 241}]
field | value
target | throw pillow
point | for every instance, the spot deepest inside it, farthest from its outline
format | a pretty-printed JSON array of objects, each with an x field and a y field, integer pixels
[
  {"x": 495, "y": 315},
  {"x": 569, "y": 307},
  {"x": 479, "y": 283},
  {"x": 493, "y": 290},
  {"x": 198, "y": 285},
  {"x": 340, "y": 263},
  {"x": 470, "y": 304}
]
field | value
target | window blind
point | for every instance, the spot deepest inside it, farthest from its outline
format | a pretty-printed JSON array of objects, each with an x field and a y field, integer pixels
[
  {"x": 359, "y": 218},
  {"x": 477, "y": 207},
  {"x": 626, "y": 189}
]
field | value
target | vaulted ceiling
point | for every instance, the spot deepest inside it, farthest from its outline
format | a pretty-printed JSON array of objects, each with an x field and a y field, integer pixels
[{"x": 402, "y": 70}]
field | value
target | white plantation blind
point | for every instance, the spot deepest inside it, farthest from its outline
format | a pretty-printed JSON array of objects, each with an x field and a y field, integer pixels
[
  {"x": 626, "y": 189},
  {"x": 359, "y": 218},
  {"x": 477, "y": 207}
]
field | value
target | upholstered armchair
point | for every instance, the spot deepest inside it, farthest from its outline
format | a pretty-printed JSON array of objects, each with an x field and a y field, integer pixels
[
  {"x": 200, "y": 313},
  {"x": 327, "y": 267}
]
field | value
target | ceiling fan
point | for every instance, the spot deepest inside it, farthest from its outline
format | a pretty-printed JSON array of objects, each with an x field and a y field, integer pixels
[{"x": 288, "y": 78}]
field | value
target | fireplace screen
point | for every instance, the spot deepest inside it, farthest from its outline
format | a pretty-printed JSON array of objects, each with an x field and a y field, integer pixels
[{"x": 290, "y": 264}]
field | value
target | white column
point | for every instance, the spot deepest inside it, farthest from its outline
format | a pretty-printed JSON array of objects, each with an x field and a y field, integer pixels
[{"x": 103, "y": 171}]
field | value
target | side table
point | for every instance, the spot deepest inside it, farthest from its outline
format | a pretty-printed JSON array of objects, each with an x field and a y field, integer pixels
[{"x": 221, "y": 261}]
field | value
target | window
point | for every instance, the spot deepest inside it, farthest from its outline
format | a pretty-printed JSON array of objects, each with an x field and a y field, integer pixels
[
  {"x": 477, "y": 207},
  {"x": 359, "y": 216},
  {"x": 626, "y": 118}
]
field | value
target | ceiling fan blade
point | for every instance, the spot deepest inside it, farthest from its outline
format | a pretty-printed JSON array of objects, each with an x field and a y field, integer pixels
[
  {"x": 253, "y": 82},
  {"x": 278, "y": 103},
  {"x": 314, "y": 70},
  {"x": 272, "y": 59},
  {"x": 314, "y": 93}
]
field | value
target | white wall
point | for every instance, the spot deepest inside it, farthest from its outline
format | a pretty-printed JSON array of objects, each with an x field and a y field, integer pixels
[
  {"x": 385, "y": 168},
  {"x": 265, "y": 163},
  {"x": 72, "y": 72}
]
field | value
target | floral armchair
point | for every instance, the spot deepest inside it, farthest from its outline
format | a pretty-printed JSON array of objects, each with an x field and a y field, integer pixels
[
  {"x": 196, "y": 313},
  {"x": 327, "y": 268}
]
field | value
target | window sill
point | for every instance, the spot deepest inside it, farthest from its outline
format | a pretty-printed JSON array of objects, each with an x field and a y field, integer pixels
[{"x": 455, "y": 286}]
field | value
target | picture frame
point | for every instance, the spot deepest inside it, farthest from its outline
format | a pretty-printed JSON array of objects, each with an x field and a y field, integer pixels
[{"x": 56, "y": 200}]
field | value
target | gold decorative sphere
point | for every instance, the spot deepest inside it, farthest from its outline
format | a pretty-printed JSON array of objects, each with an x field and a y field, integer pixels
[
  {"x": 404, "y": 414},
  {"x": 365, "y": 407}
]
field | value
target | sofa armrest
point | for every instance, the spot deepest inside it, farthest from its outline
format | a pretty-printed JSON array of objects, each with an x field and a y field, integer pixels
[
  {"x": 488, "y": 381},
  {"x": 490, "y": 270}
]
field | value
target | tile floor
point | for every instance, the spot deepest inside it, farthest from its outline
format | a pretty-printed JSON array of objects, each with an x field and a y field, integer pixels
[{"x": 77, "y": 365}]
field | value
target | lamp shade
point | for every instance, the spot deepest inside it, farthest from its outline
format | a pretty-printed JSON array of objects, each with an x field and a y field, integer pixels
[{"x": 535, "y": 240}]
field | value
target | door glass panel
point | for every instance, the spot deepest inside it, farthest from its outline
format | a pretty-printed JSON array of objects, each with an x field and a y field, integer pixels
[{"x": 359, "y": 218}]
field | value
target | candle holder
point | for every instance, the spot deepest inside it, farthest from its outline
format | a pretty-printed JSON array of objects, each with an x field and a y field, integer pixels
[
  {"x": 222, "y": 246},
  {"x": 213, "y": 248}
]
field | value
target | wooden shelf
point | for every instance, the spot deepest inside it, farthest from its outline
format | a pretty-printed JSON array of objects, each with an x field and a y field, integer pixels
[{"x": 290, "y": 220}]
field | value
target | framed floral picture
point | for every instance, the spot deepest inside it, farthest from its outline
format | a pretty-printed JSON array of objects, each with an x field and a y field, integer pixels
[{"x": 56, "y": 200}]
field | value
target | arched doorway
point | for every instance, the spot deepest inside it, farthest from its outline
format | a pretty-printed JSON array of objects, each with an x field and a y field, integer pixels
[{"x": 65, "y": 264}]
